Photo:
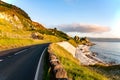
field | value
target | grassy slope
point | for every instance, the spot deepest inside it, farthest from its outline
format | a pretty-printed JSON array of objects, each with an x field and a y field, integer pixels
[
  {"x": 8, "y": 7},
  {"x": 74, "y": 70},
  {"x": 113, "y": 72},
  {"x": 11, "y": 36},
  {"x": 8, "y": 43}
]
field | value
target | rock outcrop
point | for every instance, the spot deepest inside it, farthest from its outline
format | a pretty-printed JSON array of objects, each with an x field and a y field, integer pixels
[
  {"x": 82, "y": 53},
  {"x": 15, "y": 23},
  {"x": 85, "y": 56},
  {"x": 12, "y": 19},
  {"x": 14, "y": 16}
]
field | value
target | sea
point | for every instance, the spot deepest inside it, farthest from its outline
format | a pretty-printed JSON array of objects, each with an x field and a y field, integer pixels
[{"x": 108, "y": 52}]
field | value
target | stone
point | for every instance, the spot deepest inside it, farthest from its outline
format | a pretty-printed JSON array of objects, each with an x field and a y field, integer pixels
[{"x": 60, "y": 73}]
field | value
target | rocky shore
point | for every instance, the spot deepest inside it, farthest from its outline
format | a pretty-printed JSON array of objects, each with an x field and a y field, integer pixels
[
  {"x": 86, "y": 57},
  {"x": 82, "y": 53}
]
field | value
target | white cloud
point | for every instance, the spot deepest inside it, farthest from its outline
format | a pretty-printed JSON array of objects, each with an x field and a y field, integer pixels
[
  {"x": 100, "y": 35},
  {"x": 83, "y": 28}
]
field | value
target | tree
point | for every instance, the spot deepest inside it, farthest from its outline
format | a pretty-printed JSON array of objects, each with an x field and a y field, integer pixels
[{"x": 76, "y": 38}]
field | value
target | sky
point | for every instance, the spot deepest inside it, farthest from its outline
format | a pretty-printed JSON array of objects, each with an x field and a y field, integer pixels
[{"x": 90, "y": 18}]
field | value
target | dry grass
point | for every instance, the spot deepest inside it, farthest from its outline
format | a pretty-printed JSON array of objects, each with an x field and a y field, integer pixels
[
  {"x": 8, "y": 43},
  {"x": 71, "y": 65}
]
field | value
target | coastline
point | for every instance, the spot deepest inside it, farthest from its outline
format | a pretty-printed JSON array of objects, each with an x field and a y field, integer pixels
[
  {"x": 86, "y": 57},
  {"x": 107, "y": 52}
]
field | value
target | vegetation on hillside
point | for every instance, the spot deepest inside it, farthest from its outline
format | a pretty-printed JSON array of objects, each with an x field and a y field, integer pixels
[
  {"x": 59, "y": 34},
  {"x": 15, "y": 23},
  {"x": 9, "y": 43},
  {"x": 83, "y": 40},
  {"x": 113, "y": 71},
  {"x": 17, "y": 28},
  {"x": 74, "y": 69},
  {"x": 5, "y": 6}
]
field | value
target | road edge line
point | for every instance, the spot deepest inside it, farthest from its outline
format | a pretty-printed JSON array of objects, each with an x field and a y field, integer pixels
[{"x": 38, "y": 67}]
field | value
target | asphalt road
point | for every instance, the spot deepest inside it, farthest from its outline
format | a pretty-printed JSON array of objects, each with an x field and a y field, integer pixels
[{"x": 21, "y": 65}]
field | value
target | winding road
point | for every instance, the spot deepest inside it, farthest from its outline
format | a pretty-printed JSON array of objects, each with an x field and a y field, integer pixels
[{"x": 20, "y": 63}]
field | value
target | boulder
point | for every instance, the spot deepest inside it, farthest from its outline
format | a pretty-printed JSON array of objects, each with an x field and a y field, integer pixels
[{"x": 60, "y": 74}]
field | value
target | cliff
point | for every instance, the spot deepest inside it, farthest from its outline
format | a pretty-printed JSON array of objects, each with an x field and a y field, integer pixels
[{"x": 16, "y": 22}]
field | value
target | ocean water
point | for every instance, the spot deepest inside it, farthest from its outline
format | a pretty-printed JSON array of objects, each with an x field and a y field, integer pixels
[{"x": 108, "y": 52}]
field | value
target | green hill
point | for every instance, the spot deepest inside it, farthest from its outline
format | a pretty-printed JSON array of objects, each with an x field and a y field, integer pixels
[
  {"x": 17, "y": 29},
  {"x": 14, "y": 20},
  {"x": 16, "y": 24}
]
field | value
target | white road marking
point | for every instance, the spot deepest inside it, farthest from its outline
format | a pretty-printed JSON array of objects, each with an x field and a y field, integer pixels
[
  {"x": 15, "y": 54},
  {"x": 1, "y": 60},
  {"x": 20, "y": 51},
  {"x": 38, "y": 67}
]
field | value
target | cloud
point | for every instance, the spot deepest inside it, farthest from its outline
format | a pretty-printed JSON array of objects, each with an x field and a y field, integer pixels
[
  {"x": 97, "y": 35},
  {"x": 83, "y": 28}
]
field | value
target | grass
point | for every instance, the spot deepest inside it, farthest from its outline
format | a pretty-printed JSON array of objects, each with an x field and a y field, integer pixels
[
  {"x": 113, "y": 71},
  {"x": 74, "y": 70},
  {"x": 72, "y": 41},
  {"x": 10, "y": 37},
  {"x": 51, "y": 38},
  {"x": 46, "y": 75},
  {"x": 8, "y": 43}
]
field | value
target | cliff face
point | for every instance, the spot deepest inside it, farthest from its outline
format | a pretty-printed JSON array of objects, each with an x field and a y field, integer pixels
[
  {"x": 14, "y": 21},
  {"x": 9, "y": 7},
  {"x": 14, "y": 16}
]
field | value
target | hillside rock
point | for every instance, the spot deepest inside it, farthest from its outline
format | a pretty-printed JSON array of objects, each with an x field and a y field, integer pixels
[
  {"x": 12, "y": 8},
  {"x": 12, "y": 19},
  {"x": 82, "y": 53},
  {"x": 38, "y": 26},
  {"x": 15, "y": 23},
  {"x": 85, "y": 56},
  {"x": 15, "y": 16}
]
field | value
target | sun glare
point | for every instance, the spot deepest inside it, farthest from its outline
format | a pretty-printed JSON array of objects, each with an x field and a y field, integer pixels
[
  {"x": 8, "y": 1},
  {"x": 116, "y": 24}
]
